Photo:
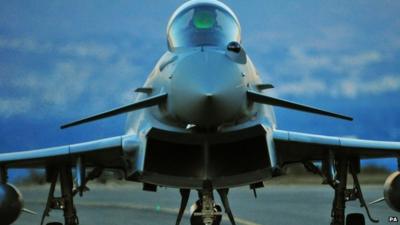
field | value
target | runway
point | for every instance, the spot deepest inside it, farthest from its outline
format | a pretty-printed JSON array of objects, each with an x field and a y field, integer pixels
[{"x": 276, "y": 205}]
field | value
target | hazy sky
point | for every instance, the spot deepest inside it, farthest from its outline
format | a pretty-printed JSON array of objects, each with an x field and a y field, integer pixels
[{"x": 61, "y": 60}]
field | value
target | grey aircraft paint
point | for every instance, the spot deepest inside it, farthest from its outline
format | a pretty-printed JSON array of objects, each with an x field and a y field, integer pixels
[{"x": 202, "y": 121}]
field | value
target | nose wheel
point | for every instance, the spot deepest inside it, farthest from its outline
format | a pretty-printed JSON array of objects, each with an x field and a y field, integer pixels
[
  {"x": 205, "y": 211},
  {"x": 197, "y": 212}
]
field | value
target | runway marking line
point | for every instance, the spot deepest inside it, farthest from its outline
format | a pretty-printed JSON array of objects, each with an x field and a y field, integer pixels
[{"x": 143, "y": 207}]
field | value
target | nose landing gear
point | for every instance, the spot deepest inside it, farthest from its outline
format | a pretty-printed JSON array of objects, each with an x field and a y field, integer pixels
[
  {"x": 205, "y": 211},
  {"x": 199, "y": 216}
]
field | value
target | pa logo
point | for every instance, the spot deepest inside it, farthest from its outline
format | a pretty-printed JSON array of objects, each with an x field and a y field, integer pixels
[{"x": 393, "y": 219}]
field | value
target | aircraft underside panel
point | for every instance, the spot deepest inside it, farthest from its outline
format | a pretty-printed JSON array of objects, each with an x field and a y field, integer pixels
[{"x": 244, "y": 159}]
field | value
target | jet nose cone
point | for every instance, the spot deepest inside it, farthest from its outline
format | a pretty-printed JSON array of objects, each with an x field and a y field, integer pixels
[
  {"x": 205, "y": 109},
  {"x": 207, "y": 90}
]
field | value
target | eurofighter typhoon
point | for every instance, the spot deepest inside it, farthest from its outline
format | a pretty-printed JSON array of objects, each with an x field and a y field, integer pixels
[{"x": 202, "y": 122}]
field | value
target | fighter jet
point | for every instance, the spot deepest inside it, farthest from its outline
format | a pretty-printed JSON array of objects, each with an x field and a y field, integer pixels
[{"x": 203, "y": 121}]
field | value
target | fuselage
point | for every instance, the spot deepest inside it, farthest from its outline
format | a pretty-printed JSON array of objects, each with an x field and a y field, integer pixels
[
  {"x": 205, "y": 78},
  {"x": 206, "y": 92},
  {"x": 207, "y": 127}
]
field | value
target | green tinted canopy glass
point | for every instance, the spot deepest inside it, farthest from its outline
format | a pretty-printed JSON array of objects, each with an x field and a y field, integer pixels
[
  {"x": 204, "y": 19},
  {"x": 203, "y": 25}
]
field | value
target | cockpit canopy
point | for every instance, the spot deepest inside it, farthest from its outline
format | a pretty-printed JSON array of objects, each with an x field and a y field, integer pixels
[{"x": 202, "y": 23}]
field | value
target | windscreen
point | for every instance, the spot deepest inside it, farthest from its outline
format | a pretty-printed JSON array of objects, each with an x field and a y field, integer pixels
[{"x": 203, "y": 25}]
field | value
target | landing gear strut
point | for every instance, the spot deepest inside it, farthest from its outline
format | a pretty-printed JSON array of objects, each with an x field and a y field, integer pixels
[
  {"x": 65, "y": 202},
  {"x": 339, "y": 202},
  {"x": 344, "y": 166},
  {"x": 205, "y": 212},
  {"x": 185, "y": 193},
  {"x": 223, "y": 193}
]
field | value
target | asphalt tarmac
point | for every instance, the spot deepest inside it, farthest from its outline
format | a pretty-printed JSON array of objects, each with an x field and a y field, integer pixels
[{"x": 115, "y": 204}]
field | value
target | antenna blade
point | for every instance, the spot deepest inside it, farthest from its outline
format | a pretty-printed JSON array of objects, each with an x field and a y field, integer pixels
[{"x": 264, "y": 86}]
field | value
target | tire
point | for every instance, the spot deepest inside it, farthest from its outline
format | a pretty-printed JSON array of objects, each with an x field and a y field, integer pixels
[
  {"x": 355, "y": 219},
  {"x": 54, "y": 223},
  {"x": 198, "y": 220}
]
